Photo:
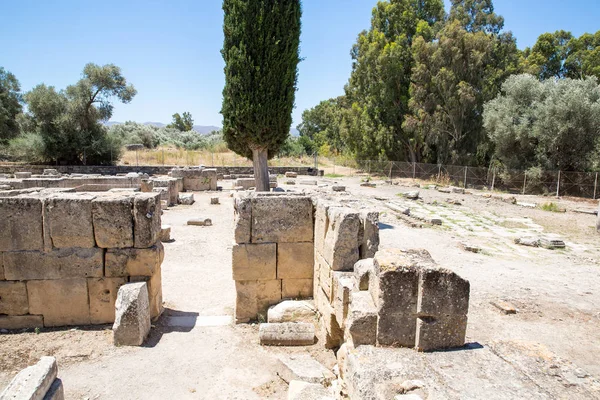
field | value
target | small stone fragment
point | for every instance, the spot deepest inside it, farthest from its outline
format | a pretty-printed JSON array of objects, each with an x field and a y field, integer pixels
[
  {"x": 414, "y": 195},
  {"x": 287, "y": 334},
  {"x": 291, "y": 174},
  {"x": 504, "y": 306},
  {"x": 132, "y": 321},
  {"x": 214, "y": 200},
  {"x": 308, "y": 182},
  {"x": 299, "y": 390},
  {"x": 528, "y": 241},
  {"x": 471, "y": 248},
  {"x": 291, "y": 311},
  {"x": 165, "y": 233},
  {"x": 200, "y": 222},
  {"x": 33, "y": 382},
  {"x": 338, "y": 188},
  {"x": 303, "y": 367},
  {"x": 362, "y": 270},
  {"x": 186, "y": 199}
]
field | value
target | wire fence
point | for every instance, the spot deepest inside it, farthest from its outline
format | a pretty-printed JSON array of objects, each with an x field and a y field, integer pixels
[{"x": 559, "y": 183}]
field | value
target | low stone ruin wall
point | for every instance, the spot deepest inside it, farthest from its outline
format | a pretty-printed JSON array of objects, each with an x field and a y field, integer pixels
[
  {"x": 64, "y": 255},
  {"x": 196, "y": 179},
  {"x": 273, "y": 252}
]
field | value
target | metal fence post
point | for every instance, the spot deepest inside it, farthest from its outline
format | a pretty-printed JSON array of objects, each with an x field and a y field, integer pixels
[
  {"x": 414, "y": 170},
  {"x": 524, "y": 182},
  {"x": 558, "y": 185},
  {"x": 494, "y": 179},
  {"x": 369, "y": 167},
  {"x": 439, "y": 172},
  {"x": 465, "y": 184},
  {"x": 391, "y": 166},
  {"x": 595, "y": 185}
]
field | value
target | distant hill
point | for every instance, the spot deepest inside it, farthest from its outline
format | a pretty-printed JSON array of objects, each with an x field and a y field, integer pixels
[{"x": 202, "y": 129}]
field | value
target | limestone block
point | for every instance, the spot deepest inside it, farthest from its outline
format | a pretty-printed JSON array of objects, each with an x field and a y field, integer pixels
[
  {"x": 21, "y": 321},
  {"x": 291, "y": 174},
  {"x": 214, "y": 200},
  {"x": 343, "y": 285},
  {"x": 287, "y": 334},
  {"x": 442, "y": 332},
  {"x": 295, "y": 260},
  {"x": 146, "y": 219},
  {"x": 321, "y": 224},
  {"x": 335, "y": 335},
  {"x": 13, "y": 298},
  {"x": 22, "y": 175},
  {"x": 342, "y": 358},
  {"x": 21, "y": 224},
  {"x": 292, "y": 311},
  {"x": 187, "y": 199},
  {"x": 303, "y": 367},
  {"x": 338, "y": 188},
  {"x": 200, "y": 221},
  {"x": 245, "y": 183},
  {"x": 254, "y": 298},
  {"x": 164, "y": 194},
  {"x": 363, "y": 269},
  {"x": 296, "y": 288},
  {"x": 132, "y": 315},
  {"x": 57, "y": 264},
  {"x": 170, "y": 184},
  {"x": 243, "y": 219},
  {"x": 33, "y": 382},
  {"x": 113, "y": 221},
  {"x": 361, "y": 323},
  {"x": 341, "y": 246},
  {"x": 300, "y": 390},
  {"x": 325, "y": 277},
  {"x": 68, "y": 219},
  {"x": 165, "y": 233},
  {"x": 154, "y": 292},
  {"x": 56, "y": 391},
  {"x": 282, "y": 219},
  {"x": 442, "y": 292},
  {"x": 209, "y": 179},
  {"x": 146, "y": 186},
  {"x": 369, "y": 234},
  {"x": 254, "y": 261},
  {"x": 134, "y": 262},
  {"x": 60, "y": 302},
  {"x": 103, "y": 294}
]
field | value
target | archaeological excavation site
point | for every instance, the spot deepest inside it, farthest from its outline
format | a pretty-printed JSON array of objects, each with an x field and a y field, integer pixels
[{"x": 186, "y": 282}]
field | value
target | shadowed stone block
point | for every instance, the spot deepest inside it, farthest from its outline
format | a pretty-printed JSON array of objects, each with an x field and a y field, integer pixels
[
  {"x": 254, "y": 298},
  {"x": 134, "y": 262},
  {"x": 21, "y": 224},
  {"x": 243, "y": 219},
  {"x": 132, "y": 315},
  {"x": 154, "y": 283},
  {"x": 146, "y": 219},
  {"x": 254, "y": 262},
  {"x": 341, "y": 246},
  {"x": 13, "y": 298},
  {"x": 296, "y": 288},
  {"x": 60, "y": 302},
  {"x": 113, "y": 221},
  {"x": 295, "y": 260},
  {"x": 363, "y": 269},
  {"x": 369, "y": 233},
  {"x": 68, "y": 219},
  {"x": 303, "y": 367},
  {"x": 287, "y": 334},
  {"x": 282, "y": 219},
  {"x": 103, "y": 294},
  {"x": 361, "y": 324},
  {"x": 443, "y": 332},
  {"x": 343, "y": 285}
]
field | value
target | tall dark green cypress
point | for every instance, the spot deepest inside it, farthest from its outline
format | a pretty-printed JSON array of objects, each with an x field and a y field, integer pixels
[{"x": 261, "y": 52}]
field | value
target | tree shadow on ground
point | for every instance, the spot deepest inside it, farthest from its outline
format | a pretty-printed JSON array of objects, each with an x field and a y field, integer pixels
[{"x": 386, "y": 226}]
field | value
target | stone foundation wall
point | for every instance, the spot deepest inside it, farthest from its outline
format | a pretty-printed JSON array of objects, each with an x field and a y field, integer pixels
[
  {"x": 272, "y": 257},
  {"x": 63, "y": 256}
]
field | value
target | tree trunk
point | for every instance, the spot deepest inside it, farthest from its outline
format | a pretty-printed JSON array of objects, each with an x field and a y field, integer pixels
[{"x": 261, "y": 169}]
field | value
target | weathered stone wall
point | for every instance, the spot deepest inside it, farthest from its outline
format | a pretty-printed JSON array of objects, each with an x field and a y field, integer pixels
[
  {"x": 196, "y": 179},
  {"x": 63, "y": 256},
  {"x": 272, "y": 257}
]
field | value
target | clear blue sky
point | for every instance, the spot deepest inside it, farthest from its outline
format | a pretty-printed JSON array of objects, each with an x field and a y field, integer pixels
[{"x": 170, "y": 50}]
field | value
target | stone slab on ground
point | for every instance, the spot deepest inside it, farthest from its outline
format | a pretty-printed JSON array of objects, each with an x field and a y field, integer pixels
[
  {"x": 165, "y": 233},
  {"x": 132, "y": 319},
  {"x": 303, "y": 367},
  {"x": 299, "y": 390},
  {"x": 33, "y": 382},
  {"x": 292, "y": 311},
  {"x": 200, "y": 222},
  {"x": 287, "y": 334},
  {"x": 186, "y": 199}
]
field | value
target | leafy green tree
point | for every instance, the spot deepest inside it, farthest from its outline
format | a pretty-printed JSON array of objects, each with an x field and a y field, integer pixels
[
  {"x": 69, "y": 121},
  {"x": 183, "y": 123},
  {"x": 583, "y": 57},
  {"x": 10, "y": 105},
  {"x": 321, "y": 125},
  {"x": 554, "y": 124},
  {"x": 378, "y": 90},
  {"x": 261, "y": 53},
  {"x": 476, "y": 16},
  {"x": 546, "y": 58}
]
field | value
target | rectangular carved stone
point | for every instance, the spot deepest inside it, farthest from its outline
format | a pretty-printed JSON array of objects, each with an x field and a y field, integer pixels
[
  {"x": 146, "y": 219},
  {"x": 361, "y": 323},
  {"x": 287, "y": 334},
  {"x": 103, "y": 294},
  {"x": 254, "y": 298},
  {"x": 132, "y": 315},
  {"x": 134, "y": 262},
  {"x": 21, "y": 224},
  {"x": 334, "y": 333},
  {"x": 282, "y": 219},
  {"x": 341, "y": 246},
  {"x": 442, "y": 292},
  {"x": 21, "y": 321},
  {"x": 369, "y": 233},
  {"x": 343, "y": 285},
  {"x": 13, "y": 298},
  {"x": 243, "y": 219},
  {"x": 254, "y": 262},
  {"x": 321, "y": 224},
  {"x": 60, "y": 302},
  {"x": 57, "y": 264},
  {"x": 296, "y": 288},
  {"x": 154, "y": 291},
  {"x": 295, "y": 260},
  {"x": 68, "y": 219},
  {"x": 33, "y": 382},
  {"x": 113, "y": 221},
  {"x": 443, "y": 332},
  {"x": 325, "y": 277}
]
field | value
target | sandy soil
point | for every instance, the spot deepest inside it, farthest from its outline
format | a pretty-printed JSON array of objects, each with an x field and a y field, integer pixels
[{"x": 555, "y": 293}]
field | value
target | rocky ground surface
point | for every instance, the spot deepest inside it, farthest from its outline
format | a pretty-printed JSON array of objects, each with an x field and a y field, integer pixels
[{"x": 195, "y": 352}]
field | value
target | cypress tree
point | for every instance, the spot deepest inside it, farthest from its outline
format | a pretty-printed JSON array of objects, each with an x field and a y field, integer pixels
[{"x": 261, "y": 53}]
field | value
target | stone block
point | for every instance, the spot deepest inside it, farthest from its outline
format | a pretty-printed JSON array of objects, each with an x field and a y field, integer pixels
[
  {"x": 155, "y": 299},
  {"x": 287, "y": 334},
  {"x": 133, "y": 262},
  {"x": 13, "y": 298},
  {"x": 363, "y": 269},
  {"x": 22, "y": 175},
  {"x": 254, "y": 298},
  {"x": 443, "y": 332},
  {"x": 361, "y": 323},
  {"x": 21, "y": 321},
  {"x": 343, "y": 285},
  {"x": 2, "y": 278},
  {"x": 68, "y": 219},
  {"x": 165, "y": 233},
  {"x": 254, "y": 261},
  {"x": 60, "y": 302},
  {"x": 282, "y": 219},
  {"x": 57, "y": 264},
  {"x": 132, "y": 315},
  {"x": 295, "y": 260},
  {"x": 369, "y": 234},
  {"x": 245, "y": 183},
  {"x": 33, "y": 382},
  {"x": 103, "y": 294},
  {"x": 292, "y": 311},
  {"x": 113, "y": 221},
  {"x": 321, "y": 224},
  {"x": 56, "y": 391},
  {"x": 338, "y": 188},
  {"x": 442, "y": 292},
  {"x": 187, "y": 199},
  {"x": 301, "y": 390},
  {"x": 214, "y": 200},
  {"x": 291, "y": 174},
  {"x": 170, "y": 184},
  {"x": 21, "y": 224},
  {"x": 334, "y": 334},
  {"x": 296, "y": 288},
  {"x": 341, "y": 246},
  {"x": 200, "y": 221},
  {"x": 325, "y": 277},
  {"x": 243, "y": 219},
  {"x": 146, "y": 219},
  {"x": 303, "y": 367}
]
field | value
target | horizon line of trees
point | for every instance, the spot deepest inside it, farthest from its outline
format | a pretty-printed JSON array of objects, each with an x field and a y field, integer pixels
[{"x": 453, "y": 88}]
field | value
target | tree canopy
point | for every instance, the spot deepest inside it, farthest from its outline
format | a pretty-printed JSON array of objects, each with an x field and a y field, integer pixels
[
  {"x": 183, "y": 123},
  {"x": 10, "y": 105}
]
